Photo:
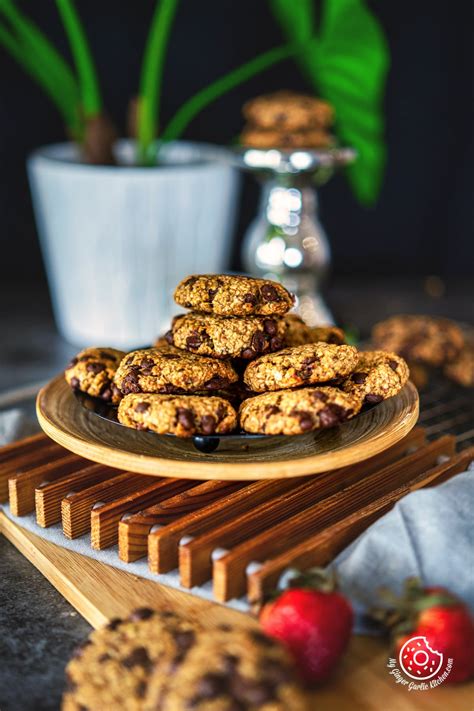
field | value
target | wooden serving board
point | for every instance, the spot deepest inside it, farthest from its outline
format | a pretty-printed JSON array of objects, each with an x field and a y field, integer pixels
[
  {"x": 65, "y": 421},
  {"x": 99, "y": 593}
]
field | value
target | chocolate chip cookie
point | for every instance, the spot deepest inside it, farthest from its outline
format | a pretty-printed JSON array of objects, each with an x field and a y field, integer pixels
[
  {"x": 220, "y": 337},
  {"x": 288, "y": 111},
  {"x": 301, "y": 365},
  {"x": 225, "y": 295},
  {"x": 423, "y": 339},
  {"x": 236, "y": 670},
  {"x": 112, "y": 668},
  {"x": 461, "y": 369},
  {"x": 298, "y": 333},
  {"x": 293, "y": 412},
  {"x": 92, "y": 371},
  {"x": 378, "y": 376},
  {"x": 285, "y": 140},
  {"x": 166, "y": 370},
  {"x": 182, "y": 415}
]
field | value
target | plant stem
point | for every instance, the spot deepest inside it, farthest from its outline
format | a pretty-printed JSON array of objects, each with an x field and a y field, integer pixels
[
  {"x": 89, "y": 85},
  {"x": 152, "y": 76},
  {"x": 196, "y": 103},
  {"x": 42, "y": 76}
]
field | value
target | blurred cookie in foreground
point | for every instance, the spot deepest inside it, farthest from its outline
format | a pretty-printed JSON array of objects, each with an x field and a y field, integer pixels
[
  {"x": 461, "y": 369},
  {"x": 228, "y": 670},
  {"x": 421, "y": 339},
  {"x": 288, "y": 111},
  {"x": 298, "y": 333},
  {"x": 92, "y": 372},
  {"x": 378, "y": 376},
  {"x": 181, "y": 415},
  {"x": 111, "y": 669},
  {"x": 294, "y": 412}
]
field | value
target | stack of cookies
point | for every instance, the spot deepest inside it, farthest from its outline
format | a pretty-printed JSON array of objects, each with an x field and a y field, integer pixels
[
  {"x": 288, "y": 121},
  {"x": 156, "y": 660},
  {"x": 238, "y": 359}
]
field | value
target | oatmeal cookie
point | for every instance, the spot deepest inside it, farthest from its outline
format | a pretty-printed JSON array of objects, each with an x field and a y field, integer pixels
[
  {"x": 233, "y": 670},
  {"x": 378, "y": 376},
  {"x": 293, "y": 412},
  {"x": 301, "y": 365},
  {"x": 220, "y": 337},
  {"x": 288, "y": 111},
  {"x": 298, "y": 333},
  {"x": 112, "y": 668},
  {"x": 272, "y": 138},
  {"x": 160, "y": 370},
  {"x": 422, "y": 339},
  {"x": 461, "y": 369},
  {"x": 226, "y": 295},
  {"x": 182, "y": 415},
  {"x": 92, "y": 371}
]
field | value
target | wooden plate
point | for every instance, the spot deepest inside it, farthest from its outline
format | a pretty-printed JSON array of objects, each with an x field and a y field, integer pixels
[{"x": 64, "y": 420}]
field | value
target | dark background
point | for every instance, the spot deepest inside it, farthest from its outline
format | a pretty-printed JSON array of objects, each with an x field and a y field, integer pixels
[{"x": 423, "y": 221}]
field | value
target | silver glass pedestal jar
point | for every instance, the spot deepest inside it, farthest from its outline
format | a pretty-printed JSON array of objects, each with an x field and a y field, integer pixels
[{"x": 286, "y": 240}]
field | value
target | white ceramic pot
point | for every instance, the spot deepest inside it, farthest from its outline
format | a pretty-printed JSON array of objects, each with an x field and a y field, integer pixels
[{"x": 116, "y": 240}]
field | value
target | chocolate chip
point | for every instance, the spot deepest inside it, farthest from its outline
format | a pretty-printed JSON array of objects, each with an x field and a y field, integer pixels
[
  {"x": 211, "y": 294},
  {"x": 359, "y": 378},
  {"x": 95, "y": 368},
  {"x": 258, "y": 342},
  {"x": 275, "y": 672},
  {"x": 269, "y": 293},
  {"x": 71, "y": 364},
  {"x": 216, "y": 382},
  {"x": 140, "y": 689},
  {"x": 248, "y": 354},
  {"x": 280, "y": 117},
  {"x": 103, "y": 658},
  {"x": 310, "y": 360},
  {"x": 262, "y": 639},
  {"x": 193, "y": 341},
  {"x": 306, "y": 421},
  {"x": 169, "y": 356},
  {"x": 114, "y": 623},
  {"x": 190, "y": 281},
  {"x": 130, "y": 383},
  {"x": 129, "y": 360},
  {"x": 184, "y": 640},
  {"x": 141, "y": 613},
  {"x": 276, "y": 343},
  {"x": 251, "y": 692},
  {"x": 270, "y": 326},
  {"x": 373, "y": 399},
  {"x": 212, "y": 685},
  {"x": 137, "y": 658},
  {"x": 106, "y": 394},
  {"x": 328, "y": 417},
  {"x": 304, "y": 373},
  {"x": 169, "y": 337},
  {"x": 171, "y": 389},
  {"x": 393, "y": 364},
  {"x": 221, "y": 412},
  {"x": 109, "y": 356},
  {"x": 185, "y": 418},
  {"x": 208, "y": 424},
  {"x": 271, "y": 410},
  {"x": 318, "y": 395},
  {"x": 147, "y": 363},
  {"x": 146, "y": 371},
  {"x": 250, "y": 299}
]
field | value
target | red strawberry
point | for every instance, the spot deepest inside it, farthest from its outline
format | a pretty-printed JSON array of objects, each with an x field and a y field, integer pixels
[
  {"x": 314, "y": 625},
  {"x": 444, "y": 622}
]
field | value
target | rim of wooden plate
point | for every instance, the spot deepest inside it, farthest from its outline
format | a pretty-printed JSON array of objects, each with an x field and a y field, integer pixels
[{"x": 65, "y": 421}]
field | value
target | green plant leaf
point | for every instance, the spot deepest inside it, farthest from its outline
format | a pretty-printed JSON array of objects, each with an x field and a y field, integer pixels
[
  {"x": 296, "y": 17},
  {"x": 346, "y": 62},
  {"x": 237, "y": 76},
  {"x": 151, "y": 78},
  {"x": 89, "y": 84}
]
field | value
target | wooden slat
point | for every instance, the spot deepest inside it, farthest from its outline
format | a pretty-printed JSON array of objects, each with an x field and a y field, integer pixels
[
  {"x": 133, "y": 532},
  {"x": 26, "y": 445},
  {"x": 21, "y": 487},
  {"x": 321, "y": 548},
  {"x": 105, "y": 519},
  {"x": 18, "y": 460},
  {"x": 163, "y": 544},
  {"x": 230, "y": 571},
  {"x": 48, "y": 497},
  {"x": 76, "y": 508}
]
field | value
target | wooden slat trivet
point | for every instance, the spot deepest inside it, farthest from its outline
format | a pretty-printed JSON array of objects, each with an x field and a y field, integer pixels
[
  {"x": 48, "y": 497},
  {"x": 105, "y": 518},
  {"x": 76, "y": 508},
  {"x": 292, "y": 531},
  {"x": 22, "y": 486},
  {"x": 10, "y": 451},
  {"x": 321, "y": 548},
  {"x": 24, "y": 461}
]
